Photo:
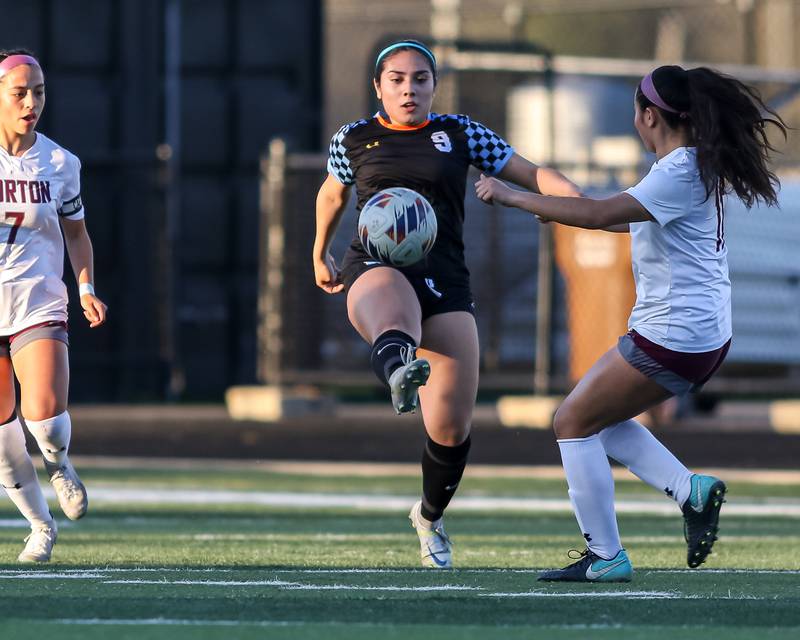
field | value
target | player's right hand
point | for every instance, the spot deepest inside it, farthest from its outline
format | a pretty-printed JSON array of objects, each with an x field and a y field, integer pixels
[
  {"x": 94, "y": 309},
  {"x": 327, "y": 275}
]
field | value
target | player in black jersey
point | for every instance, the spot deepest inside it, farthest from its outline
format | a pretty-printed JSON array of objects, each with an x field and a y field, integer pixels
[{"x": 419, "y": 319}]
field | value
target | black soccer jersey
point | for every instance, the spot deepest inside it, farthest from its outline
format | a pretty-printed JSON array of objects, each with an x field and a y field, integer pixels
[{"x": 432, "y": 159}]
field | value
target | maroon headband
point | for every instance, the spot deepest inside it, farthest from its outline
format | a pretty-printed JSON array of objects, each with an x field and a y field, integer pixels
[
  {"x": 14, "y": 61},
  {"x": 649, "y": 91}
]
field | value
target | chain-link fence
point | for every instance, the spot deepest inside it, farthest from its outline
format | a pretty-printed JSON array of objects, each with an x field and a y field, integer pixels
[
  {"x": 306, "y": 337},
  {"x": 304, "y": 333}
]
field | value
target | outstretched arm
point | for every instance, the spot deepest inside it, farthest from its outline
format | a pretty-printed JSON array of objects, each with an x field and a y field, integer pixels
[
  {"x": 537, "y": 179},
  {"x": 331, "y": 202},
  {"x": 588, "y": 213}
]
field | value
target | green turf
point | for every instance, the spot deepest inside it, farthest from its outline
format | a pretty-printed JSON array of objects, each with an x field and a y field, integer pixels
[{"x": 240, "y": 571}]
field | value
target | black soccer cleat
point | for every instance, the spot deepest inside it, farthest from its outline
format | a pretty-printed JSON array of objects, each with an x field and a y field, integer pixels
[
  {"x": 701, "y": 517},
  {"x": 406, "y": 380}
]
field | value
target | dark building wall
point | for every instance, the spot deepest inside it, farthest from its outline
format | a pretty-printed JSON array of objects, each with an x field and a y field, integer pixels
[{"x": 249, "y": 71}]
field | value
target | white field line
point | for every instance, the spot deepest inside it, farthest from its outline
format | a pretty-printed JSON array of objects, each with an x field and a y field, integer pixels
[
  {"x": 173, "y": 622},
  {"x": 628, "y": 595},
  {"x": 377, "y": 502},
  {"x": 298, "y": 586},
  {"x": 178, "y": 622},
  {"x": 734, "y": 571},
  {"x": 524, "y": 571},
  {"x": 50, "y": 575},
  {"x": 295, "y": 586},
  {"x": 677, "y": 538},
  {"x": 632, "y": 595},
  {"x": 105, "y": 572},
  {"x": 312, "y": 537},
  {"x": 93, "y": 574},
  {"x": 21, "y": 523}
]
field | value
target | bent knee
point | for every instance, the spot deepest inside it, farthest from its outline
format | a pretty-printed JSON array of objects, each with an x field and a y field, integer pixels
[
  {"x": 568, "y": 423},
  {"x": 43, "y": 408},
  {"x": 448, "y": 435},
  {"x": 405, "y": 322}
]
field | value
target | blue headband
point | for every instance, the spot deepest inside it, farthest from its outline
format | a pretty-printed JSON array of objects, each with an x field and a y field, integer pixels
[{"x": 399, "y": 45}]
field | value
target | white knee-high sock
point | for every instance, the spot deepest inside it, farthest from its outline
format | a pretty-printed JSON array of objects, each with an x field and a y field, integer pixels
[
  {"x": 52, "y": 435},
  {"x": 591, "y": 491},
  {"x": 18, "y": 476},
  {"x": 632, "y": 444}
]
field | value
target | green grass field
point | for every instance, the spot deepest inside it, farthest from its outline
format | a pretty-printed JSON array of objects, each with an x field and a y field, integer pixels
[{"x": 225, "y": 566}]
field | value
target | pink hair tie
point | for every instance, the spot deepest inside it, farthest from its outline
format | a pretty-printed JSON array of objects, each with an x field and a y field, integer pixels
[
  {"x": 16, "y": 60},
  {"x": 649, "y": 91}
]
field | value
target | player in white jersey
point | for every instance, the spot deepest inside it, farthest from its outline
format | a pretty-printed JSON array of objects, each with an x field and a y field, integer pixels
[
  {"x": 708, "y": 133},
  {"x": 39, "y": 200}
]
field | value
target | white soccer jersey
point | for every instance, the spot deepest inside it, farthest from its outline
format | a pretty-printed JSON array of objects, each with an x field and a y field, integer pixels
[
  {"x": 680, "y": 262},
  {"x": 36, "y": 189}
]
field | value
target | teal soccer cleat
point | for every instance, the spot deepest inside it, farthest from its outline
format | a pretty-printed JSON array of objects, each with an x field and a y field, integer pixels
[
  {"x": 701, "y": 517},
  {"x": 592, "y": 568}
]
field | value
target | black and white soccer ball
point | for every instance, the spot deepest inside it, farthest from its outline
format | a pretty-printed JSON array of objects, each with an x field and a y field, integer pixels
[{"x": 397, "y": 226}]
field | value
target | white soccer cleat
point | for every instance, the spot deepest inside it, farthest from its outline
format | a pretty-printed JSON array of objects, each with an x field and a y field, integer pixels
[
  {"x": 406, "y": 380},
  {"x": 39, "y": 544},
  {"x": 435, "y": 547},
  {"x": 69, "y": 489}
]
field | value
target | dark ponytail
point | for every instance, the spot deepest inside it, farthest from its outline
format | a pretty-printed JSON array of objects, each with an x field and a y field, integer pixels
[{"x": 727, "y": 121}]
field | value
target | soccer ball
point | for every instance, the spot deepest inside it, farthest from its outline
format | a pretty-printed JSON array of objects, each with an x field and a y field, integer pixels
[{"x": 397, "y": 226}]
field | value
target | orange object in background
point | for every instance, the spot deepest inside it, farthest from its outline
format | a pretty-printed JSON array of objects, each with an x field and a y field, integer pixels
[{"x": 596, "y": 267}]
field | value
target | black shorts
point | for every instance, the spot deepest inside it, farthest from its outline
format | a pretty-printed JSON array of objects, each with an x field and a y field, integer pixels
[{"x": 435, "y": 293}]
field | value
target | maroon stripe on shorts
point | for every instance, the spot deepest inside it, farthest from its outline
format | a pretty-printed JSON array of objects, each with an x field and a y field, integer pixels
[{"x": 694, "y": 367}]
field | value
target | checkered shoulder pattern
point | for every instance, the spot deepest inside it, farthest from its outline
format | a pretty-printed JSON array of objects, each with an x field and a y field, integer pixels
[
  {"x": 447, "y": 117},
  {"x": 487, "y": 151},
  {"x": 338, "y": 162}
]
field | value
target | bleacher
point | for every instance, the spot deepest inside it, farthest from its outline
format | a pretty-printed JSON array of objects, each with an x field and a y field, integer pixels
[{"x": 764, "y": 259}]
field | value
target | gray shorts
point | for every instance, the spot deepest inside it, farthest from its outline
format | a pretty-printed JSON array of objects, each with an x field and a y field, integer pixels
[
  {"x": 10, "y": 345},
  {"x": 678, "y": 372}
]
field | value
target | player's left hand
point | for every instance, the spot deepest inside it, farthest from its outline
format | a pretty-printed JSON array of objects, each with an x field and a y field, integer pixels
[
  {"x": 492, "y": 190},
  {"x": 94, "y": 309}
]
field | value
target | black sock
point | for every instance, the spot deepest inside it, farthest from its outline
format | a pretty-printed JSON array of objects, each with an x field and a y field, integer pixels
[
  {"x": 442, "y": 468},
  {"x": 386, "y": 356}
]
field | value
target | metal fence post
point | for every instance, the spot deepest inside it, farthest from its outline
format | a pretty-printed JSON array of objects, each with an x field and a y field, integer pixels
[
  {"x": 544, "y": 274},
  {"x": 271, "y": 264},
  {"x": 170, "y": 152}
]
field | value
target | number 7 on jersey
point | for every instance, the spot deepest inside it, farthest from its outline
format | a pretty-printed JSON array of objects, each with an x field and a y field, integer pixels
[{"x": 17, "y": 217}]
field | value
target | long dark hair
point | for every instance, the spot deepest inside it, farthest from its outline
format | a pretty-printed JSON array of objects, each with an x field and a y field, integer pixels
[{"x": 727, "y": 121}]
